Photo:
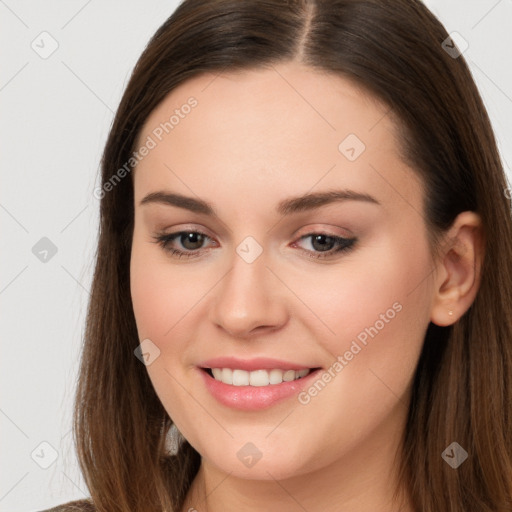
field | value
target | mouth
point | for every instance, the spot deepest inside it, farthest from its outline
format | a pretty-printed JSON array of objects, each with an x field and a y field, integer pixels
[
  {"x": 254, "y": 384},
  {"x": 257, "y": 378}
]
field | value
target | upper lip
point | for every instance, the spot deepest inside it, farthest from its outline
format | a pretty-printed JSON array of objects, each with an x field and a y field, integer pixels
[{"x": 257, "y": 363}]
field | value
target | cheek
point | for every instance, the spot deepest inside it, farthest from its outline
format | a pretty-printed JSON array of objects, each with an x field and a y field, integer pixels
[
  {"x": 373, "y": 313},
  {"x": 377, "y": 315},
  {"x": 374, "y": 288},
  {"x": 163, "y": 297},
  {"x": 163, "y": 293}
]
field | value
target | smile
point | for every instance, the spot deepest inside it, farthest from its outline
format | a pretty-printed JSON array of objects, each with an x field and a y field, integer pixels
[
  {"x": 255, "y": 389},
  {"x": 257, "y": 378}
]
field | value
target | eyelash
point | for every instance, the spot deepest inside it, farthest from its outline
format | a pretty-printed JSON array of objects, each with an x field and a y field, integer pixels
[{"x": 345, "y": 244}]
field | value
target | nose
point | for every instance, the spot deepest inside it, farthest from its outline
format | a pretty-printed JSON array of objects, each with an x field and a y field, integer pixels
[{"x": 249, "y": 299}]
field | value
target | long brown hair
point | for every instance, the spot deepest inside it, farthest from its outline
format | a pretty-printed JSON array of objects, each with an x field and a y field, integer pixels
[{"x": 462, "y": 389}]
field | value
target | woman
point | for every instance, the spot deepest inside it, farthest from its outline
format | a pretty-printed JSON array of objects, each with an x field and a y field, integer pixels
[{"x": 302, "y": 293}]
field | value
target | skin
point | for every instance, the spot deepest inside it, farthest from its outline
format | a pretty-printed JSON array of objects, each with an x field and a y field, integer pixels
[{"x": 254, "y": 139}]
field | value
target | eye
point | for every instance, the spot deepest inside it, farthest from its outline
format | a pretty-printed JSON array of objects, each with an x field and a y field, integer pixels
[
  {"x": 190, "y": 240},
  {"x": 323, "y": 245},
  {"x": 327, "y": 245}
]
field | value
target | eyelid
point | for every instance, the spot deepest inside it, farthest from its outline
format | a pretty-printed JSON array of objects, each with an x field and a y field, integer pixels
[
  {"x": 187, "y": 228},
  {"x": 320, "y": 228}
]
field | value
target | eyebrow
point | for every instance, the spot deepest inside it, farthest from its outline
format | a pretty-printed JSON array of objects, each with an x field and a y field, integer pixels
[{"x": 285, "y": 207}]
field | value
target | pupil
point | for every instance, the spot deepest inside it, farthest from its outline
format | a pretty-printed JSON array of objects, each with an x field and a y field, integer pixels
[
  {"x": 193, "y": 238},
  {"x": 322, "y": 247}
]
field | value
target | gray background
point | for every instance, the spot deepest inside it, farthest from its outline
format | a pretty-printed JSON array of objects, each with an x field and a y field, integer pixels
[{"x": 56, "y": 112}]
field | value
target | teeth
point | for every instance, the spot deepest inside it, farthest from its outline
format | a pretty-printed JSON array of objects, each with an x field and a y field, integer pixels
[{"x": 256, "y": 377}]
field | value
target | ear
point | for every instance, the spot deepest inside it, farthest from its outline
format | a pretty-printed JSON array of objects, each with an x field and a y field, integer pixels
[{"x": 459, "y": 263}]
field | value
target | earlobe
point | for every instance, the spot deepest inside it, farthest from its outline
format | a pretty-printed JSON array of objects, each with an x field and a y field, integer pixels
[{"x": 458, "y": 269}]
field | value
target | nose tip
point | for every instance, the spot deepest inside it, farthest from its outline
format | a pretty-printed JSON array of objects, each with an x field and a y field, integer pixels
[
  {"x": 244, "y": 330},
  {"x": 248, "y": 300}
]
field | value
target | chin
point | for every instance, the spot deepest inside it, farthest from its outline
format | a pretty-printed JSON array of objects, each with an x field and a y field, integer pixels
[{"x": 247, "y": 462}]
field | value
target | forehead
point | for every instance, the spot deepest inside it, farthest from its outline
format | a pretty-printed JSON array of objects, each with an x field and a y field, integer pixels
[{"x": 276, "y": 131}]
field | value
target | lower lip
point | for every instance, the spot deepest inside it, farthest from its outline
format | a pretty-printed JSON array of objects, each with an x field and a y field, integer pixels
[{"x": 253, "y": 398}]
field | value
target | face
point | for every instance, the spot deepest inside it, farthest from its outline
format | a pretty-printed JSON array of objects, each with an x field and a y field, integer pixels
[{"x": 274, "y": 274}]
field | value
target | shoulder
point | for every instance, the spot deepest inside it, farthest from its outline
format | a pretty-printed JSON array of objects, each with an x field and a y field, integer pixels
[{"x": 73, "y": 506}]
